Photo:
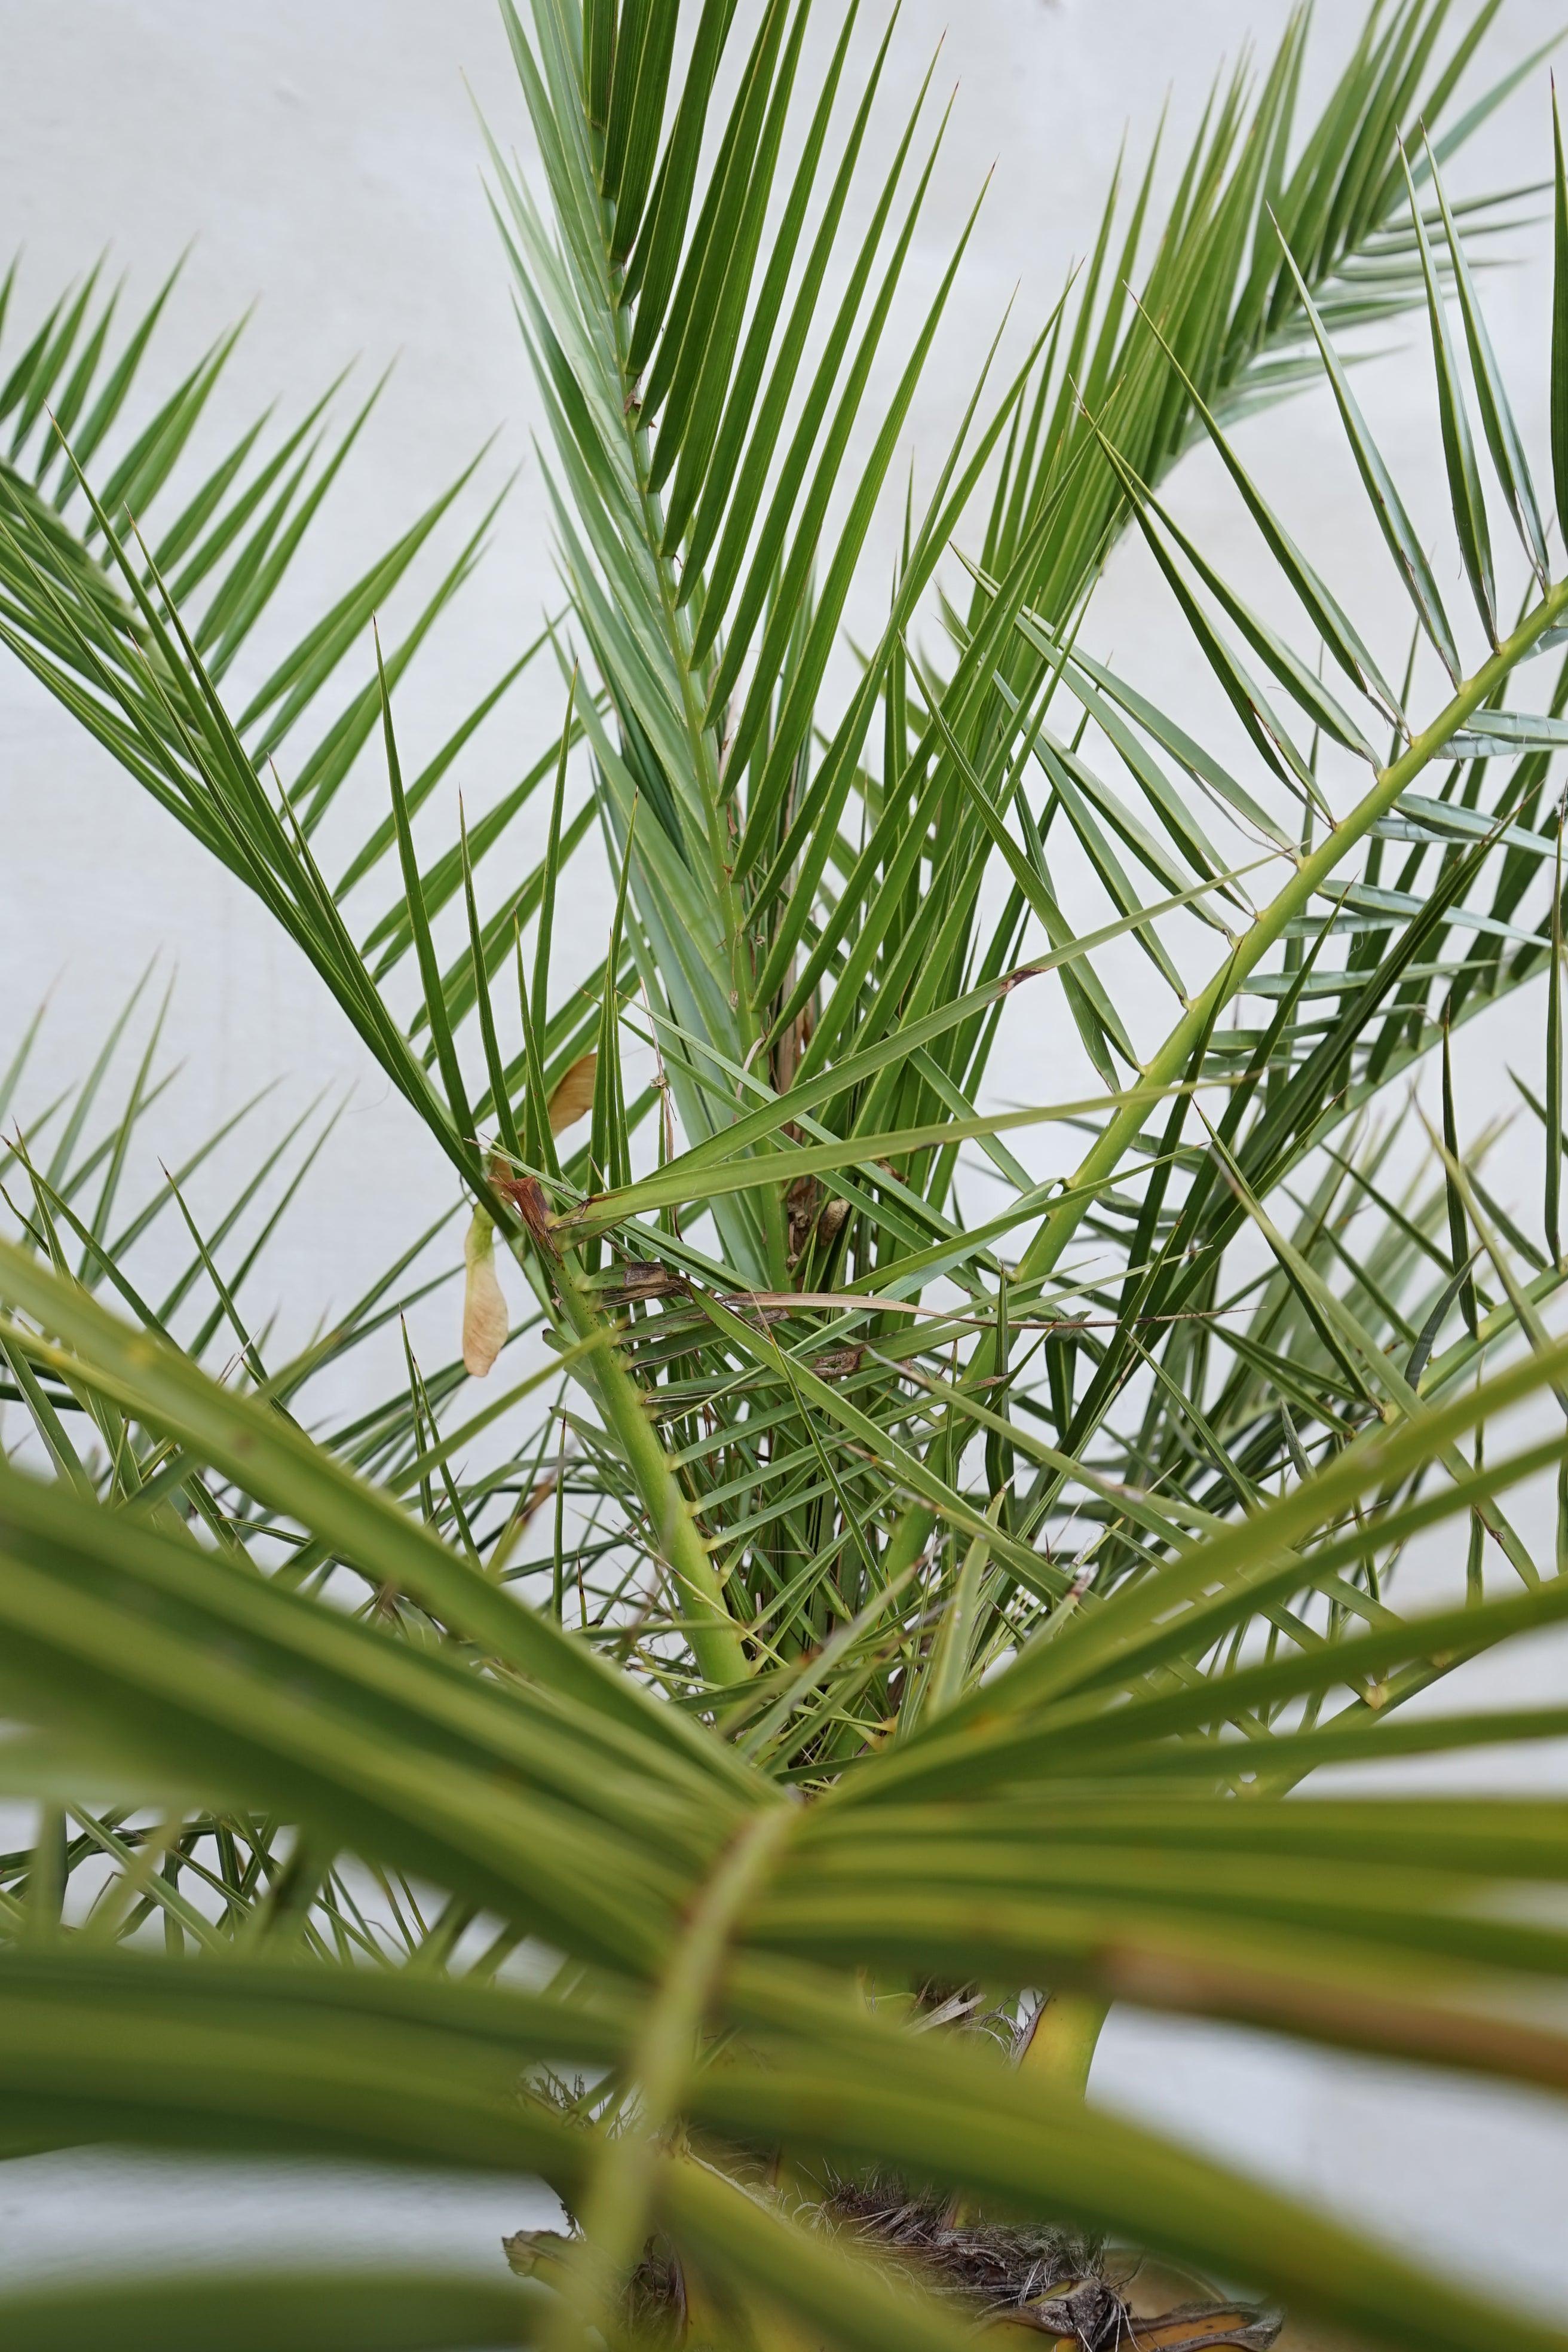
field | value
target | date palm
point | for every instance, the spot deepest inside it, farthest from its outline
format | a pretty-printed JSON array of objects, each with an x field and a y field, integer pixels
[{"x": 727, "y": 1766}]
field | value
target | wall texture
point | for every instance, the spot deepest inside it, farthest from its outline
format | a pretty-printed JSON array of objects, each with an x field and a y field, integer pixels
[{"x": 324, "y": 157}]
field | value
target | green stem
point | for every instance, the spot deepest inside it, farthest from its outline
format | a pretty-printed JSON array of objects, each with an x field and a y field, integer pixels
[
  {"x": 1062, "y": 2040},
  {"x": 715, "y": 1643},
  {"x": 613, "y": 2214}
]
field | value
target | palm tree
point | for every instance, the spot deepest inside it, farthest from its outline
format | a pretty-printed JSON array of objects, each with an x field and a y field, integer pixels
[{"x": 727, "y": 1768}]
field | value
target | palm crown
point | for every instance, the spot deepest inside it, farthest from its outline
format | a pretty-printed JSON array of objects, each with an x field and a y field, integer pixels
[{"x": 892, "y": 1606}]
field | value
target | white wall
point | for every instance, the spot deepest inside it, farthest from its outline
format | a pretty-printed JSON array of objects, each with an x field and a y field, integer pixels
[{"x": 326, "y": 159}]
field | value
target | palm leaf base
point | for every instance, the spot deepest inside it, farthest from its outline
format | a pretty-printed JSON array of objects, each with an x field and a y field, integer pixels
[{"x": 1002, "y": 2278}]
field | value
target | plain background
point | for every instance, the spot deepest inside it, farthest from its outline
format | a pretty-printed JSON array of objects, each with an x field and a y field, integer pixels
[{"x": 325, "y": 158}]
